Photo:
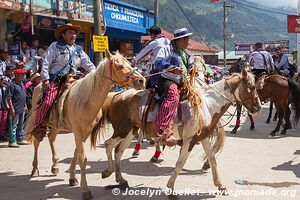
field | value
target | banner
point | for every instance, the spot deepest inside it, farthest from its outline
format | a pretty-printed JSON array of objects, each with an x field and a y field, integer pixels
[
  {"x": 14, "y": 48},
  {"x": 293, "y": 23},
  {"x": 50, "y": 23},
  {"x": 245, "y": 48}
]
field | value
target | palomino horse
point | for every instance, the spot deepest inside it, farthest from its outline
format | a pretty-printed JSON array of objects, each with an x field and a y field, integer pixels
[
  {"x": 123, "y": 113},
  {"x": 278, "y": 89},
  {"x": 82, "y": 111}
]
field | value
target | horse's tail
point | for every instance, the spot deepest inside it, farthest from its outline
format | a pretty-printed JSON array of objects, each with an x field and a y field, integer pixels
[
  {"x": 103, "y": 121},
  {"x": 295, "y": 94},
  {"x": 218, "y": 140}
]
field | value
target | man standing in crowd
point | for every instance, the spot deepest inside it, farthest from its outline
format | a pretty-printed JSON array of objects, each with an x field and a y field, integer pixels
[
  {"x": 261, "y": 61},
  {"x": 34, "y": 48},
  {"x": 62, "y": 60},
  {"x": 174, "y": 56},
  {"x": 3, "y": 110},
  {"x": 3, "y": 61},
  {"x": 17, "y": 102},
  {"x": 152, "y": 48}
]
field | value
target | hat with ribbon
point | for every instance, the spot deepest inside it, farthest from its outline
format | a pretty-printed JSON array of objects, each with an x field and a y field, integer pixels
[
  {"x": 67, "y": 26},
  {"x": 180, "y": 33}
]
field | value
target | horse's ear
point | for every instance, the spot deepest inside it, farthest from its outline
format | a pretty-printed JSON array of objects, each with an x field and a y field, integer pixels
[
  {"x": 108, "y": 54},
  {"x": 117, "y": 52}
]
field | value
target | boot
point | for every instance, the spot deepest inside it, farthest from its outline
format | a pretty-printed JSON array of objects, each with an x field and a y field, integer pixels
[{"x": 167, "y": 137}]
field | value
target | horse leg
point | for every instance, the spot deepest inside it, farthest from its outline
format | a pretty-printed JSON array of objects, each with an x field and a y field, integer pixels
[
  {"x": 238, "y": 118},
  {"x": 213, "y": 163},
  {"x": 157, "y": 153},
  {"x": 73, "y": 180},
  {"x": 270, "y": 113},
  {"x": 287, "y": 125},
  {"x": 275, "y": 116},
  {"x": 252, "y": 127},
  {"x": 206, "y": 165},
  {"x": 35, "y": 171},
  {"x": 119, "y": 150},
  {"x": 110, "y": 144},
  {"x": 185, "y": 151},
  {"x": 138, "y": 145},
  {"x": 86, "y": 193},
  {"x": 280, "y": 117},
  {"x": 51, "y": 137}
]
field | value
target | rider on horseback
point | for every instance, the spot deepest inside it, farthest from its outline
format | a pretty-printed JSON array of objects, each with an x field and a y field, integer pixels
[
  {"x": 59, "y": 66},
  {"x": 261, "y": 61},
  {"x": 178, "y": 61},
  {"x": 282, "y": 63}
]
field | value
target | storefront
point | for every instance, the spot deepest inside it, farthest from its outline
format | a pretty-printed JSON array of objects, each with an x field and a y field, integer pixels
[{"x": 125, "y": 25}]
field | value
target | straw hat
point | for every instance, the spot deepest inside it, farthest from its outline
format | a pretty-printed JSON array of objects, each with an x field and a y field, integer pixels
[
  {"x": 36, "y": 75},
  {"x": 67, "y": 26}
]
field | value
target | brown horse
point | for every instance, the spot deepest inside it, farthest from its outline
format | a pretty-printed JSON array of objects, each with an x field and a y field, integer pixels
[
  {"x": 278, "y": 89},
  {"x": 81, "y": 111},
  {"x": 123, "y": 113}
]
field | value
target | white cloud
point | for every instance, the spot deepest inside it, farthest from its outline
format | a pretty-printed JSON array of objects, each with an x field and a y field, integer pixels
[{"x": 276, "y": 3}]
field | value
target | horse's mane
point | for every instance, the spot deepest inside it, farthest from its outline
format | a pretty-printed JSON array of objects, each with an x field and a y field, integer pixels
[{"x": 85, "y": 86}]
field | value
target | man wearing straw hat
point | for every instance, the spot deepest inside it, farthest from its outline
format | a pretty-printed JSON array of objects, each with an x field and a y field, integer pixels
[
  {"x": 59, "y": 66},
  {"x": 177, "y": 61}
]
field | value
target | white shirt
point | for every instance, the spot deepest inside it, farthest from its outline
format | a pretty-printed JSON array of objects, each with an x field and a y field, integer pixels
[
  {"x": 151, "y": 50},
  {"x": 259, "y": 58},
  {"x": 56, "y": 58},
  {"x": 2, "y": 67}
]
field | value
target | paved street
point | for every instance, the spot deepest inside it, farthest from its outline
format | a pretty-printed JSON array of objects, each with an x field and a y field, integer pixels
[{"x": 251, "y": 158}]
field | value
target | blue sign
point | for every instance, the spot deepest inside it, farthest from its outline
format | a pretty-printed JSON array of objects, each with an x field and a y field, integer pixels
[
  {"x": 50, "y": 23},
  {"x": 124, "y": 16},
  {"x": 14, "y": 48}
]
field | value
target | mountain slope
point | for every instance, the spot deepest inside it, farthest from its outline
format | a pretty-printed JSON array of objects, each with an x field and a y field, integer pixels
[{"x": 244, "y": 22}]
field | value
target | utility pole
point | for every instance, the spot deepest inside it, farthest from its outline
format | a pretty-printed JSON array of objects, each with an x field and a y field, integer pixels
[
  {"x": 224, "y": 31},
  {"x": 97, "y": 27},
  {"x": 298, "y": 43},
  {"x": 156, "y": 5}
]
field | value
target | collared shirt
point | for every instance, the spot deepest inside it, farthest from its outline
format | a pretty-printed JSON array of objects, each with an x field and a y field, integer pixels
[
  {"x": 17, "y": 93},
  {"x": 152, "y": 49},
  {"x": 57, "y": 57},
  {"x": 282, "y": 62},
  {"x": 261, "y": 59},
  {"x": 2, "y": 67}
]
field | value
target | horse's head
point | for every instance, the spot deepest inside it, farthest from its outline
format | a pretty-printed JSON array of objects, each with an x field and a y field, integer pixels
[
  {"x": 122, "y": 73},
  {"x": 247, "y": 94},
  {"x": 239, "y": 65}
]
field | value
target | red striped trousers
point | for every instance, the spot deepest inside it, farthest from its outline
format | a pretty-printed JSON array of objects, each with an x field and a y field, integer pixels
[
  {"x": 168, "y": 108},
  {"x": 47, "y": 102}
]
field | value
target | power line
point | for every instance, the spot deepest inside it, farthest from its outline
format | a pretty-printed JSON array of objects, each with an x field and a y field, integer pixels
[
  {"x": 261, "y": 9},
  {"x": 201, "y": 37}
]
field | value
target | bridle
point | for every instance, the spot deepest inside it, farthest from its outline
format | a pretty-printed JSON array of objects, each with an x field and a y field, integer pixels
[{"x": 114, "y": 70}]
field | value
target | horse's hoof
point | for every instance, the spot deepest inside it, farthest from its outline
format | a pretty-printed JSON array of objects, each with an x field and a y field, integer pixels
[
  {"x": 54, "y": 170},
  {"x": 268, "y": 121},
  {"x": 273, "y": 133},
  {"x": 252, "y": 127},
  {"x": 153, "y": 159},
  {"x": 234, "y": 131},
  {"x": 205, "y": 166},
  {"x": 106, "y": 173},
  {"x": 35, "y": 173},
  {"x": 87, "y": 195},
  {"x": 283, "y": 132},
  {"x": 124, "y": 185},
  {"x": 73, "y": 182},
  {"x": 135, "y": 154},
  {"x": 223, "y": 191}
]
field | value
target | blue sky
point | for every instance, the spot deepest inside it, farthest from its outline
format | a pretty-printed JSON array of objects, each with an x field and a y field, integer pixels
[{"x": 276, "y": 3}]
